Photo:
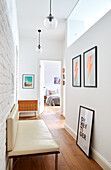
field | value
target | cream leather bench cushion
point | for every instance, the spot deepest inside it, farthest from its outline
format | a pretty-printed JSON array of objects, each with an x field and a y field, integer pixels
[
  {"x": 12, "y": 124},
  {"x": 33, "y": 137}
]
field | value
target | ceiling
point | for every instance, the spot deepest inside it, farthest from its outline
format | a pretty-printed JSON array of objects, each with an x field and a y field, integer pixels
[{"x": 31, "y": 15}]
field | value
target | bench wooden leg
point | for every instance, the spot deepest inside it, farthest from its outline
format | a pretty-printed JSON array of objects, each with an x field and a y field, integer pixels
[
  {"x": 56, "y": 161},
  {"x": 11, "y": 163}
]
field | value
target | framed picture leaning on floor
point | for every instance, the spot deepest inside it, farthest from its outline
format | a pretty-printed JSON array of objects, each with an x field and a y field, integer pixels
[{"x": 84, "y": 131}]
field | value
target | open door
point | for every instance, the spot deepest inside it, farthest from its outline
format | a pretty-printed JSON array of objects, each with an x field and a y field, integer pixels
[{"x": 41, "y": 107}]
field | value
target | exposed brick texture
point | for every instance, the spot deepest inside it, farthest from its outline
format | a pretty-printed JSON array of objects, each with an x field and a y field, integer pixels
[{"x": 7, "y": 74}]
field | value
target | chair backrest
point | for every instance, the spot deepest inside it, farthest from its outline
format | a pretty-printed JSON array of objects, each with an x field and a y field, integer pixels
[{"x": 12, "y": 123}]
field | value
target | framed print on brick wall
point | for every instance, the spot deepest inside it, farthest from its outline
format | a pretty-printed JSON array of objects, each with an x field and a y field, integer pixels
[
  {"x": 90, "y": 67},
  {"x": 76, "y": 71}
]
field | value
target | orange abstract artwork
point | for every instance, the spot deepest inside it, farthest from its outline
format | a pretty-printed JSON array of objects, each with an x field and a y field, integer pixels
[
  {"x": 76, "y": 70},
  {"x": 89, "y": 66}
]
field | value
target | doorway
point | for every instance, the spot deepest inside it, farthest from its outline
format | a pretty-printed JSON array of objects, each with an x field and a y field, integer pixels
[{"x": 50, "y": 84}]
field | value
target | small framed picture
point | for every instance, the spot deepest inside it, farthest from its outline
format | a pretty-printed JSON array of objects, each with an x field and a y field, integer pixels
[
  {"x": 84, "y": 131},
  {"x": 90, "y": 67},
  {"x": 63, "y": 70},
  {"x": 28, "y": 81},
  {"x": 56, "y": 80},
  {"x": 76, "y": 71},
  {"x": 63, "y": 82},
  {"x": 63, "y": 76}
]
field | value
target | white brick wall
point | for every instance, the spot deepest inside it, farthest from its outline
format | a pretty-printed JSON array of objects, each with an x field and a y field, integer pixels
[{"x": 7, "y": 72}]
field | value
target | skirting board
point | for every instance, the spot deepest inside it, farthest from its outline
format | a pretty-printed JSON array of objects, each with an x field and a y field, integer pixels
[
  {"x": 70, "y": 131},
  {"x": 94, "y": 154}
]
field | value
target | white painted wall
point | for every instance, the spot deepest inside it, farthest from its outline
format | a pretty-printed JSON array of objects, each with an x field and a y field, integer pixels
[
  {"x": 27, "y": 65},
  {"x": 98, "y": 98},
  {"x": 8, "y": 42},
  {"x": 51, "y": 70},
  {"x": 29, "y": 61}
]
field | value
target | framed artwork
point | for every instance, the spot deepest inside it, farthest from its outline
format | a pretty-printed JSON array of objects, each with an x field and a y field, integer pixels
[
  {"x": 63, "y": 76},
  {"x": 90, "y": 67},
  {"x": 84, "y": 131},
  {"x": 76, "y": 71},
  {"x": 56, "y": 80},
  {"x": 28, "y": 81},
  {"x": 63, "y": 70},
  {"x": 63, "y": 82}
]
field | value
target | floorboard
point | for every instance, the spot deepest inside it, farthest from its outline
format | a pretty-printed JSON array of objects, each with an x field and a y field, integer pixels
[{"x": 70, "y": 157}]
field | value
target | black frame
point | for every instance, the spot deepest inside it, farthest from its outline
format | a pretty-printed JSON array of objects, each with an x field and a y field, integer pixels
[
  {"x": 23, "y": 81},
  {"x": 89, "y": 149},
  {"x": 73, "y": 72},
  {"x": 95, "y": 48}
]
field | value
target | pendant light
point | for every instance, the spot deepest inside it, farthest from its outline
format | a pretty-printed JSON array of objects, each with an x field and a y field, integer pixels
[
  {"x": 39, "y": 49},
  {"x": 50, "y": 21}
]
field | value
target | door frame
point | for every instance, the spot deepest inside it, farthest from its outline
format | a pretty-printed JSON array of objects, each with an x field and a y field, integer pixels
[{"x": 61, "y": 86}]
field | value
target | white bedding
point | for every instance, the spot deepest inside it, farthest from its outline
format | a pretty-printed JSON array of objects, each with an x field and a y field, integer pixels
[{"x": 53, "y": 100}]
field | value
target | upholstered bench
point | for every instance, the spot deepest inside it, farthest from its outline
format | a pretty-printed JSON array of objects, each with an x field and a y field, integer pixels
[{"x": 29, "y": 137}]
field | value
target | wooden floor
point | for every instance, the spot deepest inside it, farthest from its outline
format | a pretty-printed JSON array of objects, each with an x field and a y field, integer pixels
[{"x": 70, "y": 157}]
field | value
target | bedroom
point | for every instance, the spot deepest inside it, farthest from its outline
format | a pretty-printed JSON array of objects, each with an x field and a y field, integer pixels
[{"x": 50, "y": 80}]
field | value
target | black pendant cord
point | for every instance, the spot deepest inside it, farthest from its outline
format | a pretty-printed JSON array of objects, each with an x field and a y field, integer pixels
[
  {"x": 50, "y": 6},
  {"x": 39, "y": 31},
  {"x": 39, "y": 38}
]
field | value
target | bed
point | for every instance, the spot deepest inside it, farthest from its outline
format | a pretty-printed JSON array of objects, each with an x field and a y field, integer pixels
[{"x": 53, "y": 98}]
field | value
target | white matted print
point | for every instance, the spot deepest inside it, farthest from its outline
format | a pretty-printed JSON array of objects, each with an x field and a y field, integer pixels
[
  {"x": 28, "y": 81},
  {"x": 84, "y": 131},
  {"x": 90, "y": 67},
  {"x": 76, "y": 71},
  {"x": 56, "y": 80}
]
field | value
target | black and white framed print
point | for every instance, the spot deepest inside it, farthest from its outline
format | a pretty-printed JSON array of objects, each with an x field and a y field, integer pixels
[
  {"x": 76, "y": 71},
  {"x": 84, "y": 131},
  {"x": 90, "y": 67}
]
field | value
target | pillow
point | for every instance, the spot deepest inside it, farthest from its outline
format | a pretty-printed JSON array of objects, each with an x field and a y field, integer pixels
[{"x": 51, "y": 92}]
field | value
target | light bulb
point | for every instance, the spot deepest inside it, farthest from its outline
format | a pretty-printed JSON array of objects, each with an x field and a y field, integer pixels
[
  {"x": 50, "y": 22},
  {"x": 39, "y": 49}
]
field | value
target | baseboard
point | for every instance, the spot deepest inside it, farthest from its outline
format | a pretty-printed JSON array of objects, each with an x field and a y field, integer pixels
[
  {"x": 70, "y": 131},
  {"x": 100, "y": 160},
  {"x": 94, "y": 154}
]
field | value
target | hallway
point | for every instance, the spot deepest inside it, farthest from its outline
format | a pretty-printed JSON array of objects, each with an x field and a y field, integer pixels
[{"x": 70, "y": 157}]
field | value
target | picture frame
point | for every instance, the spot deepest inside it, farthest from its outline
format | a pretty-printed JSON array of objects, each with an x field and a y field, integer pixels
[
  {"x": 28, "y": 81},
  {"x": 76, "y": 71},
  {"x": 84, "y": 130},
  {"x": 90, "y": 67},
  {"x": 56, "y": 80},
  {"x": 63, "y": 70},
  {"x": 63, "y": 82},
  {"x": 63, "y": 76}
]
